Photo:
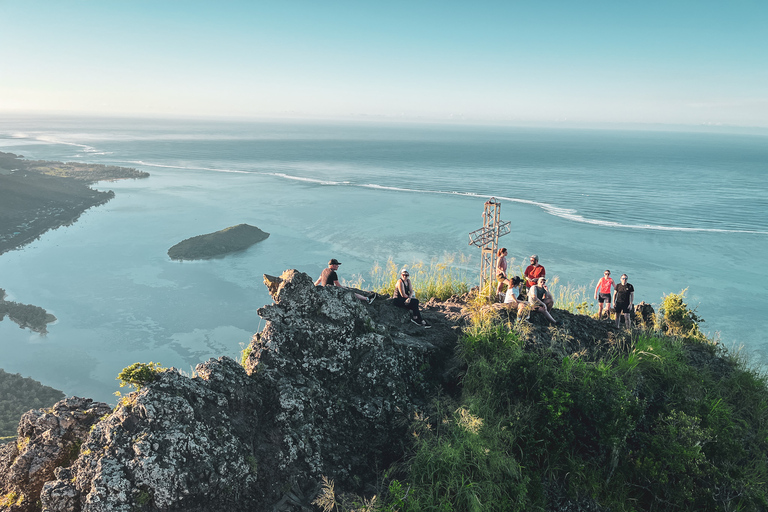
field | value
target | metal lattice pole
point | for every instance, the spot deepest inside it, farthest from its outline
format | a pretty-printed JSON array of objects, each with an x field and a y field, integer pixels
[{"x": 487, "y": 239}]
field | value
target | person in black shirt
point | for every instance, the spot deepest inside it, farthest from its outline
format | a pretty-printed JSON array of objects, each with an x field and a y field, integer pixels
[
  {"x": 623, "y": 298},
  {"x": 329, "y": 277}
]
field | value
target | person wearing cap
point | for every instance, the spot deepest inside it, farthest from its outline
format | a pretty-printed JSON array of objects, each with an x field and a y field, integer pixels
[
  {"x": 603, "y": 294},
  {"x": 623, "y": 298},
  {"x": 329, "y": 277},
  {"x": 537, "y": 296},
  {"x": 533, "y": 272},
  {"x": 405, "y": 297}
]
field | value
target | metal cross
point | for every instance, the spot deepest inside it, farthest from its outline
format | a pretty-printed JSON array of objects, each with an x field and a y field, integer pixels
[{"x": 487, "y": 238}]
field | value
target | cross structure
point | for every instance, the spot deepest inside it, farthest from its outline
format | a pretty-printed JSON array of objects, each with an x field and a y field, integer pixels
[{"x": 487, "y": 239}]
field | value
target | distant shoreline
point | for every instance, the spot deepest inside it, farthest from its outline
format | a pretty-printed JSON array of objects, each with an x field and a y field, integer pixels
[{"x": 37, "y": 196}]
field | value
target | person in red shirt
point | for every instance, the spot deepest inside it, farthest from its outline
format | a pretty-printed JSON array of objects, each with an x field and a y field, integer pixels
[
  {"x": 533, "y": 272},
  {"x": 603, "y": 294}
]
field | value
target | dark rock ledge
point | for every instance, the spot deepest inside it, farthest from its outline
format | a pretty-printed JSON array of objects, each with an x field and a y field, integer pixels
[{"x": 328, "y": 388}]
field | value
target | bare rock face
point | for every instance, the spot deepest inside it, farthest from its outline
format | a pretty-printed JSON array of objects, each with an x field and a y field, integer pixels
[
  {"x": 329, "y": 388},
  {"x": 179, "y": 444},
  {"x": 345, "y": 376},
  {"x": 47, "y": 439}
]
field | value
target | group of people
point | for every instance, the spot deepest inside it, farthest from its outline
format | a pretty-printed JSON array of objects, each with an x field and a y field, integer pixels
[
  {"x": 538, "y": 296},
  {"x": 403, "y": 297},
  {"x": 540, "y": 299},
  {"x": 623, "y": 298}
]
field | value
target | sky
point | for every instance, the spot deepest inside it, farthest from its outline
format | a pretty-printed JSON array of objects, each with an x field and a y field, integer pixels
[{"x": 688, "y": 62}]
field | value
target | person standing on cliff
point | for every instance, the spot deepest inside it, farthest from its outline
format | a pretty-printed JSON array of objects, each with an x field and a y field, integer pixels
[
  {"x": 405, "y": 297},
  {"x": 533, "y": 273},
  {"x": 603, "y": 294},
  {"x": 623, "y": 298},
  {"x": 501, "y": 271},
  {"x": 329, "y": 277}
]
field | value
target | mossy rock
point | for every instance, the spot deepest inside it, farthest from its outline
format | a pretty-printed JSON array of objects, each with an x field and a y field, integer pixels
[{"x": 220, "y": 243}]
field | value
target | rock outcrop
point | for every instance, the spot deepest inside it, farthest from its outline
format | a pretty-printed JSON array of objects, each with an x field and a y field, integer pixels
[
  {"x": 47, "y": 440},
  {"x": 329, "y": 388}
]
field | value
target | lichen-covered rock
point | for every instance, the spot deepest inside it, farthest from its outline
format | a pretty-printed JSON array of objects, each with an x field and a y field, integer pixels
[
  {"x": 346, "y": 376},
  {"x": 47, "y": 439},
  {"x": 330, "y": 388},
  {"x": 178, "y": 444}
]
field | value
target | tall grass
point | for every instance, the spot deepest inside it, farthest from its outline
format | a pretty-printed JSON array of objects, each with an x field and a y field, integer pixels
[
  {"x": 574, "y": 298},
  {"x": 440, "y": 279},
  {"x": 663, "y": 423}
]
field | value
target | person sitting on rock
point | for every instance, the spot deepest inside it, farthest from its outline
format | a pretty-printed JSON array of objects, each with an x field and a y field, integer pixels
[
  {"x": 533, "y": 272},
  {"x": 405, "y": 297},
  {"x": 537, "y": 295},
  {"x": 513, "y": 292},
  {"x": 329, "y": 277}
]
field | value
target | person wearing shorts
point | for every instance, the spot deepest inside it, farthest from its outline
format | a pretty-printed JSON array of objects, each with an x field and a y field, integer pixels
[
  {"x": 501, "y": 271},
  {"x": 623, "y": 298},
  {"x": 603, "y": 294}
]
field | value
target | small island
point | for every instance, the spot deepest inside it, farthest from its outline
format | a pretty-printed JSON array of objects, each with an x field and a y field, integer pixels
[
  {"x": 220, "y": 243},
  {"x": 28, "y": 316}
]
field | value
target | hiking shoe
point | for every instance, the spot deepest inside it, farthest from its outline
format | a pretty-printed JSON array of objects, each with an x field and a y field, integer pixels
[
  {"x": 371, "y": 298},
  {"x": 425, "y": 324},
  {"x": 415, "y": 321}
]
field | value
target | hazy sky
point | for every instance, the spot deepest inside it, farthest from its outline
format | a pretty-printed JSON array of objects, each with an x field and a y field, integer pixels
[{"x": 671, "y": 61}]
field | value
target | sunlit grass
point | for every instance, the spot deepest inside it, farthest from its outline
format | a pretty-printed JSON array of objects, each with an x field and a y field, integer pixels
[{"x": 440, "y": 279}]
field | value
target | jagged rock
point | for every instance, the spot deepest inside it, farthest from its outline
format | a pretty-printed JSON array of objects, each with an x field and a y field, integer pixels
[
  {"x": 330, "y": 388},
  {"x": 47, "y": 439},
  {"x": 346, "y": 393}
]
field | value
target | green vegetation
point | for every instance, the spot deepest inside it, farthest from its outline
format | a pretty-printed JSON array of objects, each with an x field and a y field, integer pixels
[
  {"x": 441, "y": 279},
  {"x": 231, "y": 239},
  {"x": 12, "y": 499},
  {"x": 139, "y": 374},
  {"x": 659, "y": 422},
  {"x": 88, "y": 173},
  {"x": 676, "y": 319},
  {"x": 19, "y": 395},
  {"x": 26, "y": 315}
]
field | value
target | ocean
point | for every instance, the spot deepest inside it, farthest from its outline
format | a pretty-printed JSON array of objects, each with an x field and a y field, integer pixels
[{"x": 673, "y": 209}]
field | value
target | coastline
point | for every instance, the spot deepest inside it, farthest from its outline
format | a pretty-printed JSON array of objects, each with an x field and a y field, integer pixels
[{"x": 37, "y": 196}]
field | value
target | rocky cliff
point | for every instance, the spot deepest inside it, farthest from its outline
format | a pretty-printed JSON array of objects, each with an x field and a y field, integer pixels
[{"x": 327, "y": 388}]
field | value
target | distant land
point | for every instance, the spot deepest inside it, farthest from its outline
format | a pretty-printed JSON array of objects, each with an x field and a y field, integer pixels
[
  {"x": 18, "y": 395},
  {"x": 38, "y": 195},
  {"x": 28, "y": 316},
  {"x": 220, "y": 243}
]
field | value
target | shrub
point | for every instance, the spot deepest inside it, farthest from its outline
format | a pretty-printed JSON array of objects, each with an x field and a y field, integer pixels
[{"x": 139, "y": 374}]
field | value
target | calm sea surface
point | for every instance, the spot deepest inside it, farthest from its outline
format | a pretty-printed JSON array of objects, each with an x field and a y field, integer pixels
[{"x": 672, "y": 209}]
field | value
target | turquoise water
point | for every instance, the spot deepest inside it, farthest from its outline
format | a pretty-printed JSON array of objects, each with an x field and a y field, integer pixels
[{"x": 673, "y": 210}]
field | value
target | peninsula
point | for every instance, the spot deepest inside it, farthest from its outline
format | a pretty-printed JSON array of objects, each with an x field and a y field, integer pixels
[
  {"x": 38, "y": 195},
  {"x": 220, "y": 243}
]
